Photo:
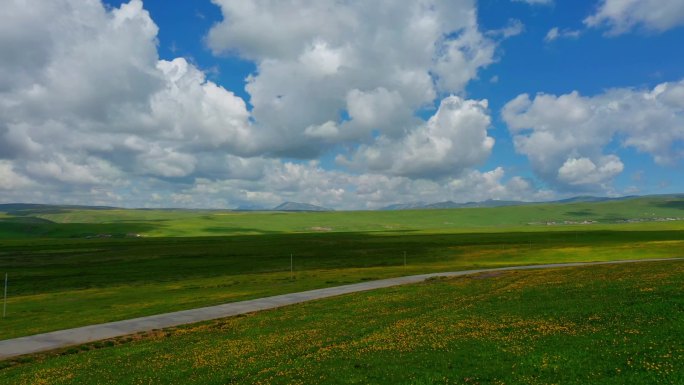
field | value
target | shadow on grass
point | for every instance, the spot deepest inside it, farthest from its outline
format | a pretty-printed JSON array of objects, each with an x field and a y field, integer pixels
[
  {"x": 238, "y": 230},
  {"x": 28, "y": 209},
  {"x": 581, "y": 213},
  {"x": 45, "y": 265},
  {"x": 31, "y": 227},
  {"x": 678, "y": 204}
]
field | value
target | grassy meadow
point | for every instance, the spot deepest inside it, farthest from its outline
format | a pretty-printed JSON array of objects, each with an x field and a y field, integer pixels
[
  {"x": 66, "y": 222},
  {"x": 612, "y": 324},
  {"x": 74, "y": 267}
]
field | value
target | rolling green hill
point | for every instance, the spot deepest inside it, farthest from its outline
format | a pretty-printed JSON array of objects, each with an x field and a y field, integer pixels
[
  {"x": 74, "y": 266},
  {"x": 71, "y": 266},
  {"x": 613, "y": 325},
  {"x": 61, "y": 221}
]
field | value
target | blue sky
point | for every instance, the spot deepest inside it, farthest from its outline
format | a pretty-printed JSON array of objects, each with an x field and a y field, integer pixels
[{"x": 351, "y": 105}]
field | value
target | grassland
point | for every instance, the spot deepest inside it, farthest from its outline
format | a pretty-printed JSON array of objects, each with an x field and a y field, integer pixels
[
  {"x": 58, "y": 284},
  {"x": 80, "y": 223},
  {"x": 619, "y": 324},
  {"x": 61, "y": 276}
]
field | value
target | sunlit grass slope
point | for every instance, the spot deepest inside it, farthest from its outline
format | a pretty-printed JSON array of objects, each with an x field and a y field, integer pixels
[
  {"x": 65, "y": 222},
  {"x": 69, "y": 280},
  {"x": 56, "y": 284},
  {"x": 621, "y": 324}
]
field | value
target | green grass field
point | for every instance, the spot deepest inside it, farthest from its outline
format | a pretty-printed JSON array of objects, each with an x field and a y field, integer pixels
[
  {"x": 72, "y": 267},
  {"x": 62, "y": 277},
  {"x": 621, "y": 324},
  {"x": 58, "y": 284},
  {"x": 79, "y": 223}
]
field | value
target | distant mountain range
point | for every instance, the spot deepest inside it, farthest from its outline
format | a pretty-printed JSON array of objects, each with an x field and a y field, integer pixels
[
  {"x": 491, "y": 203},
  {"x": 405, "y": 206},
  {"x": 593, "y": 199},
  {"x": 451, "y": 205},
  {"x": 29, "y": 209},
  {"x": 295, "y": 206}
]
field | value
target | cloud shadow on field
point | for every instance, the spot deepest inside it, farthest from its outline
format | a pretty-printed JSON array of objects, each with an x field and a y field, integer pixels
[
  {"x": 581, "y": 213},
  {"x": 678, "y": 204},
  {"x": 237, "y": 230},
  {"x": 31, "y": 227},
  {"x": 28, "y": 209}
]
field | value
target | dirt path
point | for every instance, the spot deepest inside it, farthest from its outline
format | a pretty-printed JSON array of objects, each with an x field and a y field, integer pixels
[{"x": 63, "y": 338}]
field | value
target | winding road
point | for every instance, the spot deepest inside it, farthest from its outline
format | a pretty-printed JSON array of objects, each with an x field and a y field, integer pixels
[{"x": 63, "y": 338}]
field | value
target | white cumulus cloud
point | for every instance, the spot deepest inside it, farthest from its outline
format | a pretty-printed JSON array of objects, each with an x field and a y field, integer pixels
[
  {"x": 91, "y": 114},
  {"x": 452, "y": 140},
  {"x": 308, "y": 182},
  {"x": 621, "y": 16},
  {"x": 556, "y": 33},
  {"x": 565, "y": 136},
  {"x": 92, "y": 102},
  {"x": 583, "y": 171},
  {"x": 9, "y": 179},
  {"x": 374, "y": 62}
]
